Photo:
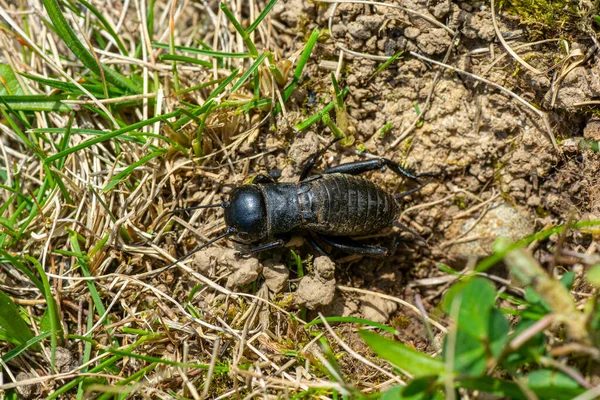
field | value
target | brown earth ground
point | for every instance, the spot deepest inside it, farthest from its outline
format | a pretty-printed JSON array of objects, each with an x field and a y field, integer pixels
[{"x": 501, "y": 172}]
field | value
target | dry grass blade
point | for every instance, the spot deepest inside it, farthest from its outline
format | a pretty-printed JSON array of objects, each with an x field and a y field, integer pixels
[{"x": 506, "y": 45}]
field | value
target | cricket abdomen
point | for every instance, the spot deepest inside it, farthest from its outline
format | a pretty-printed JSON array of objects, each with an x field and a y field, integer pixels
[{"x": 344, "y": 205}]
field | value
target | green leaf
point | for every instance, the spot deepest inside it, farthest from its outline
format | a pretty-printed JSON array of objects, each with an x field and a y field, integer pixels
[
  {"x": 568, "y": 279},
  {"x": 477, "y": 297},
  {"x": 399, "y": 392},
  {"x": 421, "y": 388},
  {"x": 11, "y": 394},
  {"x": 494, "y": 386},
  {"x": 393, "y": 393},
  {"x": 497, "y": 332},
  {"x": 553, "y": 385},
  {"x": 531, "y": 351},
  {"x": 9, "y": 85},
  {"x": 469, "y": 354},
  {"x": 593, "y": 275},
  {"x": 404, "y": 357},
  {"x": 482, "y": 330},
  {"x": 11, "y": 320}
]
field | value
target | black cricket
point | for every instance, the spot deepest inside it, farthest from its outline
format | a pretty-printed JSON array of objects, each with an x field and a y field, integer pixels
[{"x": 332, "y": 206}]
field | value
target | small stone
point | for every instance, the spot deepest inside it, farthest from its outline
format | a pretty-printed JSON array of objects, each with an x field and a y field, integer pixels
[
  {"x": 208, "y": 259},
  {"x": 64, "y": 359},
  {"x": 317, "y": 290},
  {"x": 358, "y": 30},
  {"x": 441, "y": 10},
  {"x": 245, "y": 271},
  {"x": 28, "y": 391},
  {"x": 338, "y": 30},
  {"x": 411, "y": 32},
  {"x": 592, "y": 130},
  {"x": 436, "y": 41},
  {"x": 466, "y": 7},
  {"x": 304, "y": 148},
  {"x": 324, "y": 268},
  {"x": 371, "y": 22},
  {"x": 276, "y": 275},
  {"x": 501, "y": 220},
  {"x": 313, "y": 293},
  {"x": 534, "y": 201},
  {"x": 377, "y": 309}
]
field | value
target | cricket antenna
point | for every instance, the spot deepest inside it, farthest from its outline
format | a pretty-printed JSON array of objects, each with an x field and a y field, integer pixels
[
  {"x": 230, "y": 231},
  {"x": 186, "y": 209}
]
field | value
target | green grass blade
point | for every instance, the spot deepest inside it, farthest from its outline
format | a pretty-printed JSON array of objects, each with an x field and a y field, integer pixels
[
  {"x": 106, "y": 25},
  {"x": 36, "y": 103},
  {"x": 339, "y": 97},
  {"x": 318, "y": 321},
  {"x": 208, "y": 103},
  {"x": 127, "y": 171},
  {"x": 190, "y": 60},
  {"x": 238, "y": 27},
  {"x": 33, "y": 343},
  {"x": 249, "y": 72},
  {"x": 497, "y": 256},
  {"x": 41, "y": 197},
  {"x": 100, "y": 367},
  {"x": 310, "y": 44},
  {"x": 15, "y": 262},
  {"x": 55, "y": 327},
  {"x": 85, "y": 272},
  {"x": 132, "y": 378},
  {"x": 87, "y": 350},
  {"x": 110, "y": 135},
  {"x": 318, "y": 116},
  {"x": 11, "y": 321},
  {"x": 70, "y": 88},
  {"x": 261, "y": 16},
  {"x": 66, "y": 33},
  {"x": 386, "y": 64},
  {"x": 9, "y": 85}
]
